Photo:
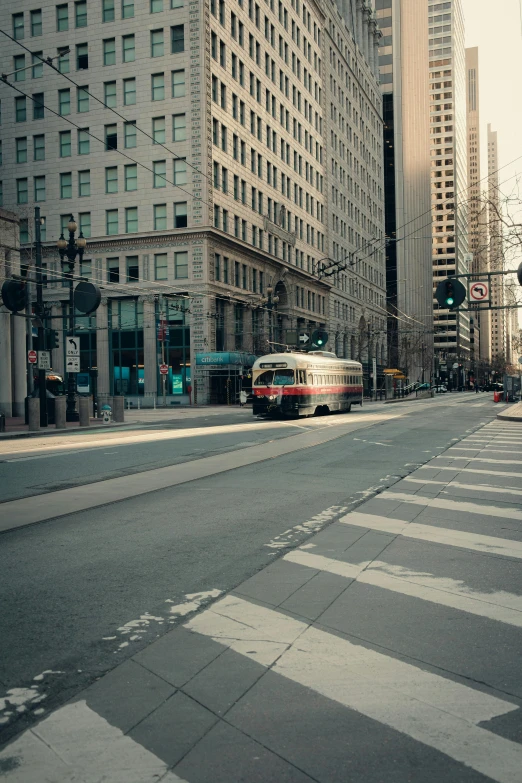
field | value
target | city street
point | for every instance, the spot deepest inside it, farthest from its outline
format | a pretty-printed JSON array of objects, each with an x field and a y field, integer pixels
[{"x": 225, "y": 599}]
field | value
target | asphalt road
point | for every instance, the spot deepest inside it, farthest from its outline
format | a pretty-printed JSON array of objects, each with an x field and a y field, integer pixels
[{"x": 69, "y": 585}]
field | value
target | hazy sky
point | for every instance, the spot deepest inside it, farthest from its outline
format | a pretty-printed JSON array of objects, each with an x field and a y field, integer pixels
[{"x": 494, "y": 26}]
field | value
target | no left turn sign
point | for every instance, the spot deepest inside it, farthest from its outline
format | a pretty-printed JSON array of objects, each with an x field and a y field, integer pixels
[{"x": 479, "y": 291}]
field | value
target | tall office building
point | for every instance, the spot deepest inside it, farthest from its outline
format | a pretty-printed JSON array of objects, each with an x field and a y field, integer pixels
[
  {"x": 207, "y": 199},
  {"x": 480, "y": 326},
  {"x": 449, "y": 172},
  {"x": 405, "y": 87},
  {"x": 496, "y": 251}
]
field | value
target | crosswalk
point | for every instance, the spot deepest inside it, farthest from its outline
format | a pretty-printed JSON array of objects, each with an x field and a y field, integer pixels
[{"x": 405, "y": 612}]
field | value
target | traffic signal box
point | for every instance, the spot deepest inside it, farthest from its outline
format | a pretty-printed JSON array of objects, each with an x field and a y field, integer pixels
[
  {"x": 319, "y": 339},
  {"x": 52, "y": 339},
  {"x": 450, "y": 293}
]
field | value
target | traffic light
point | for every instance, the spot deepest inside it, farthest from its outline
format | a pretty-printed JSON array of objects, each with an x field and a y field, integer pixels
[
  {"x": 450, "y": 293},
  {"x": 52, "y": 339},
  {"x": 319, "y": 338},
  {"x": 13, "y": 295}
]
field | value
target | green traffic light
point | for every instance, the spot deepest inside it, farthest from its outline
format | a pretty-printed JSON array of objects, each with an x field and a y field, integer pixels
[{"x": 450, "y": 301}]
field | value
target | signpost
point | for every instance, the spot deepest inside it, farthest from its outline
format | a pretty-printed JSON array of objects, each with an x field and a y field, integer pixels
[
  {"x": 32, "y": 357},
  {"x": 72, "y": 354}
]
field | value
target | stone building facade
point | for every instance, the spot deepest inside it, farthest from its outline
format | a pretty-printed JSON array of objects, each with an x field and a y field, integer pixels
[
  {"x": 13, "y": 329},
  {"x": 192, "y": 142}
]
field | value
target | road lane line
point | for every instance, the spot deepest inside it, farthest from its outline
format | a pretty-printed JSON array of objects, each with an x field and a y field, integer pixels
[
  {"x": 499, "y": 606},
  {"x": 427, "y": 707},
  {"x": 436, "y": 535},
  {"x": 453, "y": 505}
]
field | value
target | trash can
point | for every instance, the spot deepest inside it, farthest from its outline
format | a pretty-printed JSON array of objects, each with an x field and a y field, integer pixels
[{"x": 497, "y": 396}]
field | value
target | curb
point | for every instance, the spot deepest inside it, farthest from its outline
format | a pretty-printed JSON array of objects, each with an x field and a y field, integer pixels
[{"x": 67, "y": 431}]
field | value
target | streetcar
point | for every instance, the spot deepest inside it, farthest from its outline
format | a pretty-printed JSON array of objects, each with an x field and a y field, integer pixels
[{"x": 305, "y": 384}]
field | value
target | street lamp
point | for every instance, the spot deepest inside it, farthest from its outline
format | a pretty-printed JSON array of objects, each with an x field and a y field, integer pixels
[{"x": 69, "y": 250}]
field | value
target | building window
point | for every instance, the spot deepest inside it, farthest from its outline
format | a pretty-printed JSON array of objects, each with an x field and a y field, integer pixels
[
  {"x": 21, "y": 150},
  {"x": 111, "y": 137},
  {"x": 39, "y": 188},
  {"x": 65, "y": 144},
  {"x": 129, "y": 92},
  {"x": 37, "y": 69},
  {"x": 156, "y": 6},
  {"x": 133, "y": 268},
  {"x": 66, "y": 185},
  {"x": 109, "y": 94},
  {"x": 64, "y": 102},
  {"x": 180, "y": 214},
  {"x": 62, "y": 17},
  {"x": 108, "y": 12},
  {"x": 113, "y": 270},
  {"x": 111, "y": 220},
  {"x": 39, "y": 147},
  {"x": 159, "y": 169},
  {"x": 160, "y": 217},
  {"x": 127, "y": 9},
  {"x": 82, "y": 99},
  {"x": 109, "y": 51},
  {"x": 179, "y": 127},
  {"x": 158, "y": 86},
  {"x": 84, "y": 183},
  {"x": 111, "y": 179},
  {"x": 131, "y": 177},
  {"x": 129, "y": 49},
  {"x": 180, "y": 265},
  {"x": 180, "y": 171},
  {"x": 82, "y": 57},
  {"x": 160, "y": 266},
  {"x": 158, "y": 130},
  {"x": 84, "y": 142},
  {"x": 22, "y": 196},
  {"x": 156, "y": 43},
  {"x": 130, "y": 135},
  {"x": 178, "y": 84},
  {"x": 38, "y": 105},
  {"x": 20, "y": 109},
  {"x": 131, "y": 220},
  {"x": 36, "y": 23},
  {"x": 177, "y": 38},
  {"x": 63, "y": 63},
  {"x": 85, "y": 224},
  {"x": 18, "y": 27},
  {"x": 80, "y": 13},
  {"x": 19, "y": 67}
]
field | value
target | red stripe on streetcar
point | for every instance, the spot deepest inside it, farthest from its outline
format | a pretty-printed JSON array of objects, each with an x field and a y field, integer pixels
[{"x": 297, "y": 391}]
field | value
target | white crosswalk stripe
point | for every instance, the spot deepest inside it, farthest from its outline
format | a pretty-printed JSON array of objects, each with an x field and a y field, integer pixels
[
  {"x": 457, "y": 469},
  {"x": 454, "y": 505},
  {"x": 472, "y": 487}
]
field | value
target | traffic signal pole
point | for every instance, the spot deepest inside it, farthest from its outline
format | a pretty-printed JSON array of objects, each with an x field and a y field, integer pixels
[{"x": 42, "y": 388}]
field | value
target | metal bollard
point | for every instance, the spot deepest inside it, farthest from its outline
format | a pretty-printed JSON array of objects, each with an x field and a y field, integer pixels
[
  {"x": 84, "y": 406},
  {"x": 33, "y": 407},
  {"x": 60, "y": 404}
]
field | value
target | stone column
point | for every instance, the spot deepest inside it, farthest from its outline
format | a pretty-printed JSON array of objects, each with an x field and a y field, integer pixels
[
  {"x": 371, "y": 54},
  {"x": 248, "y": 336},
  {"x": 229, "y": 327},
  {"x": 364, "y": 32},
  {"x": 19, "y": 367},
  {"x": 150, "y": 356},
  {"x": 6, "y": 395},
  {"x": 377, "y": 35},
  {"x": 102, "y": 349},
  {"x": 359, "y": 31}
]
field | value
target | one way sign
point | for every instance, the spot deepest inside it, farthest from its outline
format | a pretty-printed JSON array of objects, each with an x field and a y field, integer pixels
[{"x": 303, "y": 338}]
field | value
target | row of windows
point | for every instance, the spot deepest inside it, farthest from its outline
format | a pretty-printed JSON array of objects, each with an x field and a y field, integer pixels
[
  {"x": 240, "y": 275},
  {"x": 162, "y": 266},
  {"x": 108, "y": 14}
]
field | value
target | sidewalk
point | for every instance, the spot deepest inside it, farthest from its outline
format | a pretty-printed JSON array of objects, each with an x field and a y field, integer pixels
[
  {"x": 335, "y": 662},
  {"x": 513, "y": 413}
]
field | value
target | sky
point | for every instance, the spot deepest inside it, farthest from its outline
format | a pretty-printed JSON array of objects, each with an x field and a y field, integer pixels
[{"x": 494, "y": 26}]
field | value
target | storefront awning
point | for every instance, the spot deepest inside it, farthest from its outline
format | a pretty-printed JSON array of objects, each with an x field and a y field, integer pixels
[{"x": 221, "y": 358}]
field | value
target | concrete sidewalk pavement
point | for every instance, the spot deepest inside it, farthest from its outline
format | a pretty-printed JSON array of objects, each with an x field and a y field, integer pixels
[{"x": 364, "y": 655}]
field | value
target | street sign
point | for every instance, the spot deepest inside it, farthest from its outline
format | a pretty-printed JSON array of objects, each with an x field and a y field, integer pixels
[
  {"x": 303, "y": 338},
  {"x": 44, "y": 360},
  {"x": 479, "y": 291},
  {"x": 32, "y": 357},
  {"x": 72, "y": 364},
  {"x": 163, "y": 368},
  {"x": 72, "y": 347}
]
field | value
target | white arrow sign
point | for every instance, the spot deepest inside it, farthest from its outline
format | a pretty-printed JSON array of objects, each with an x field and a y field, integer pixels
[
  {"x": 303, "y": 338},
  {"x": 72, "y": 346}
]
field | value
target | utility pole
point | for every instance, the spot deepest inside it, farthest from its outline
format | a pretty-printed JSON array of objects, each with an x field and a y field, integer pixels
[{"x": 42, "y": 387}]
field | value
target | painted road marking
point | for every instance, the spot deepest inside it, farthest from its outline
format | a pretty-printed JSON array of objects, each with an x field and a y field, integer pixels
[
  {"x": 454, "y": 505},
  {"x": 457, "y": 469},
  {"x": 436, "y": 535},
  {"x": 475, "y": 487},
  {"x": 484, "y": 459},
  {"x": 76, "y": 744},
  {"x": 440, "y": 713},
  {"x": 499, "y": 606}
]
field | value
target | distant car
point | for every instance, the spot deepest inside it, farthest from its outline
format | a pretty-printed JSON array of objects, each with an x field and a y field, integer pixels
[{"x": 441, "y": 389}]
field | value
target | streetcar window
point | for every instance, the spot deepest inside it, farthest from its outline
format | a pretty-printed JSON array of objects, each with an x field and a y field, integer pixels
[
  {"x": 265, "y": 379},
  {"x": 284, "y": 378}
]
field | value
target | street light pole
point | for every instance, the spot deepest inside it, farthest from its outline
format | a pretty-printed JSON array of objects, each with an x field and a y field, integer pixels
[
  {"x": 42, "y": 388},
  {"x": 68, "y": 251}
]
